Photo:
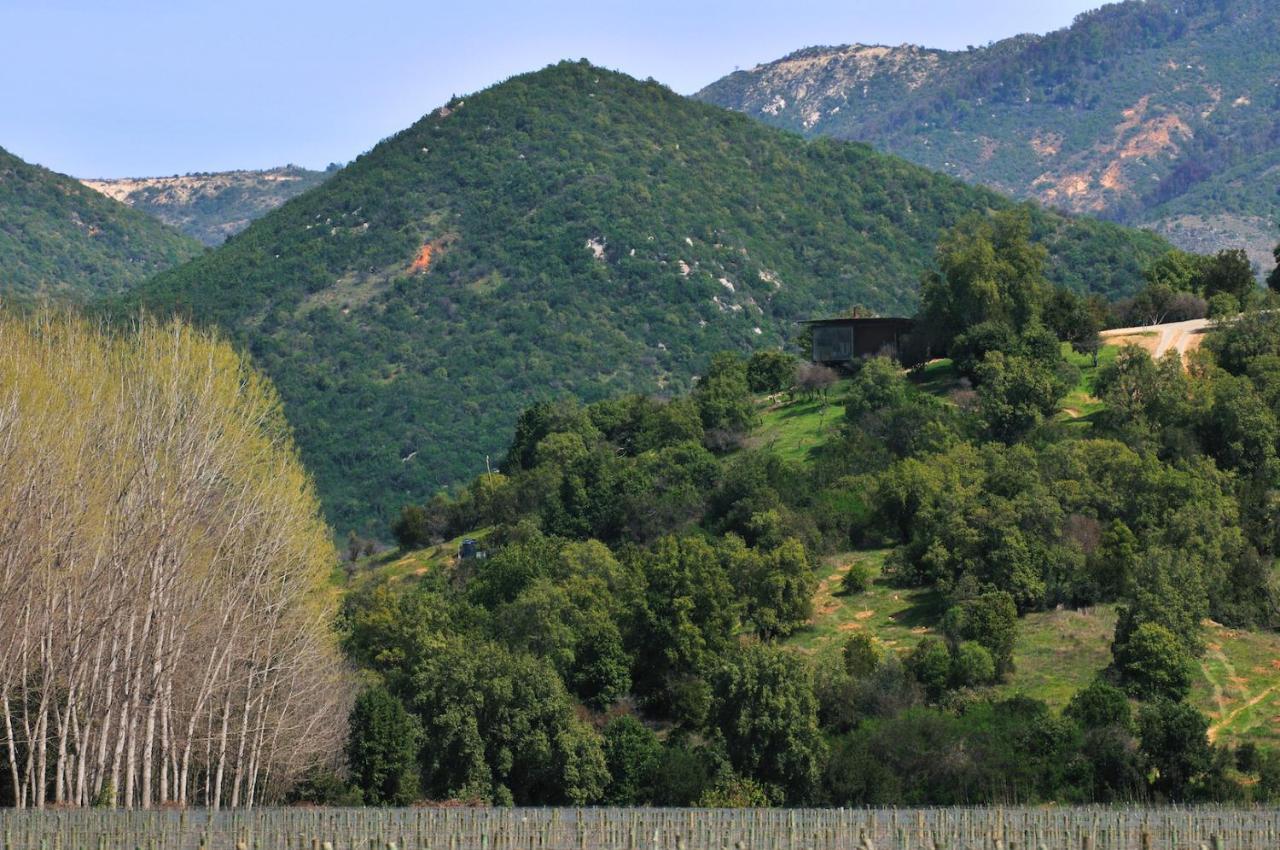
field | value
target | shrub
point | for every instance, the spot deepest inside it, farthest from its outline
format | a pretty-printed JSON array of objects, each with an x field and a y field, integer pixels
[{"x": 859, "y": 577}]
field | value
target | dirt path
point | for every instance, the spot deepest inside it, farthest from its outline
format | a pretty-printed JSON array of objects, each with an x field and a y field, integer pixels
[{"x": 1161, "y": 339}]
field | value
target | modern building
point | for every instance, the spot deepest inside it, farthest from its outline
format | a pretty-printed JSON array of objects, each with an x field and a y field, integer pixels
[{"x": 840, "y": 341}]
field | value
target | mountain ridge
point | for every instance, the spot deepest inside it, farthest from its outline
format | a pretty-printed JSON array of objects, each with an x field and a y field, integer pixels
[
  {"x": 1138, "y": 111},
  {"x": 211, "y": 206}
]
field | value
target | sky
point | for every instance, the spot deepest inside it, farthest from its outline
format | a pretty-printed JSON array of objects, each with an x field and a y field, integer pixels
[{"x": 113, "y": 88}]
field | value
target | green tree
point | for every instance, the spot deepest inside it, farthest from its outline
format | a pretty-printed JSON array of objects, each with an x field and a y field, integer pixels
[
  {"x": 987, "y": 270},
  {"x": 633, "y": 755},
  {"x": 724, "y": 400},
  {"x": 770, "y": 371},
  {"x": 382, "y": 749},
  {"x": 765, "y": 708},
  {"x": 991, "y": 620},
  {"x": 971, "y": 665},
  {"x": 930, "y": 664},
  {"x": 1015, "y": 394},
  {"x": 412, "y": 529},
  {"x": 1273, "y": 279},
  {"x": 1231, "y": 272},
  {"x": 780, "y": 587},
  {"x": 688, "y": 614},
  {"x": 1154, "y": 663},
  {"x": 500, "y": 726},
  {"x": 1175, "y": 745},
  {"x": 862, "y": 655},
  {"x": 1100, "y": 704}
]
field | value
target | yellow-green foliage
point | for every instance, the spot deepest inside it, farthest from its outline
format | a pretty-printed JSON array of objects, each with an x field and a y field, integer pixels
[{"x": 156, "y": 515}]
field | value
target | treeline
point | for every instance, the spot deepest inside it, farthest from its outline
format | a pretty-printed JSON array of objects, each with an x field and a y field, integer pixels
[
  {"x": 165, "y": 624},
  {"x": 625, "y": 640}
]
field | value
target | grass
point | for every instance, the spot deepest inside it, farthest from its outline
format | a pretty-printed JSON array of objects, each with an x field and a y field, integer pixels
[
  {"x": 793, "y": 429},
  {"x": 1236, "y": 682},
  {"x": 897, "y": 617},
  {"x": 1239, "y": 685},
  {"x": 395, "y": 565},
  {"x": 1058, "y": 652},
  {"x": 937, "y": 377},
  {"x": 1080, "y": 404}
]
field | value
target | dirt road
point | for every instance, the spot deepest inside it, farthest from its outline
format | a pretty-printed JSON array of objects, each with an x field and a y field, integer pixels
[{"x": 1161, "y": 339}]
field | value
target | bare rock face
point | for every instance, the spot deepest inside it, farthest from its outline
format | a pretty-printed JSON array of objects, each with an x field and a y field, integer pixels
[{"x": 210, "y": 206}]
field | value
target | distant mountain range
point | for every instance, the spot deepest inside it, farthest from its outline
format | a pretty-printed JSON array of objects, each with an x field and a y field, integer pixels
[
  {"x": 210, "y": 206},
  {"x": 60, "y": 239},
  {"x": 1163, "y": 113},
  {"x": 570, "y": 231}
]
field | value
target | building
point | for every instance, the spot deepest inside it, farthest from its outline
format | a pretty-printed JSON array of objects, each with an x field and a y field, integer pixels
[{"x": 840, "y": 341}]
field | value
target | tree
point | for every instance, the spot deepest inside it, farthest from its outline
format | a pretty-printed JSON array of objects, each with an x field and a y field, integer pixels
[
  {"x": 991, "y": 620},
  {"x": 1175, "y": 744},
  {"x": 770, "y": 371},
  {"x": 1154, "y": 663},
  {"x": 724, "y": 400},
  {"x": 780, "y": 586},
  {"x": 165, "y": 596},
  {"x": 1230, "y": 272},
  {"x": 971, "y": 665},
  {"x": 1015, "y": 394},
  {"x": 861, "y": 655},
  {"x": 1273, "y": 279},
  {"x": 688, "y": 613},
  {"x": 1098, "y": 705},
  {"x": 987, "y": 270},
  {"x": 499, "y": 726},
  {"x": 382, "y": 749},
  {"x": 633, "y": 755},
  {"x": 930, "y": 663},
  {"x": 412, "y": 528},
  {"x": 764, "y": 706}
]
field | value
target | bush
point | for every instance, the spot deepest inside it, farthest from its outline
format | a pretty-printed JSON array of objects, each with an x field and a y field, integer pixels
[
  {"x": 1154, "y": 663},
  {"x": 859, "y": 577},
  {"x": 1223, "y": 305},
  {"x": 971, "y": 665},
  {"x": 412, "y": 529}
]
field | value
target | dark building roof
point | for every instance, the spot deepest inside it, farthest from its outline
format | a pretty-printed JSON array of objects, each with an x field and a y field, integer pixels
[{"x": 864, "y": 321}]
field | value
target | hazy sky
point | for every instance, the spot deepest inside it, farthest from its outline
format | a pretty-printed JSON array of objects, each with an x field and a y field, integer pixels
[{"x": 107, "y": 88}]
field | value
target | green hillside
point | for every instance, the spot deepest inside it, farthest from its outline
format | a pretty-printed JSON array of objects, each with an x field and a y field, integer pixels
[
  {"x": 1160, "y": 112},
  {"x": 62, "y": 239},
  {"x": 570, "y": 231}
]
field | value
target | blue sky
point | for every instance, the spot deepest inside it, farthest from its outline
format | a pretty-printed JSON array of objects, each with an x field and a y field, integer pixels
[{"x": 135, "y": 87}]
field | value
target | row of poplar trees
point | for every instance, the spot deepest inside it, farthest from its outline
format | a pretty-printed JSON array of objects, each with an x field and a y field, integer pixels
[{"x": 165, "y": 633}]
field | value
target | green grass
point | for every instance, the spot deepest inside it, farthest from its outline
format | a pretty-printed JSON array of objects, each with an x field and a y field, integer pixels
[
  {"x": 1059, "y": 652},
  {"x": 793, "y": 429},
  {"x": 937, "y": 377},
  {"x": 1239, "y": 685},
  {"x": 395, "y": 565},
  {"x": 1080, "y": 404},
  {"x": 897, "y": 617}
]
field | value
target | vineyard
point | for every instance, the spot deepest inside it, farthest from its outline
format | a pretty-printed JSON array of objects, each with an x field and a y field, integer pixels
[{"x": 1096, "y": 828}]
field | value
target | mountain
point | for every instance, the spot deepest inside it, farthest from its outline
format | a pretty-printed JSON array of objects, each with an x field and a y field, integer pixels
[
  {"x": 210, "y": 206},
  {"x": 1161, "y": 113},
  {"x": 569, "y": 231},
  {"x": 61, "y": 239}
]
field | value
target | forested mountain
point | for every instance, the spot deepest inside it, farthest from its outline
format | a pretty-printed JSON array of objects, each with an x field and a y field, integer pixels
[
  {"x": 572, "y": 231},
  {"x": 60, "y": 238},
  {"x": 1161, "y": 113},
  {"x": 210, "y": 206}
]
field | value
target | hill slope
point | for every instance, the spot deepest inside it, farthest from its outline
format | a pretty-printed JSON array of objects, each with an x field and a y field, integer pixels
[
  {"x": 568, "y": 231},
  {"x": 60, "y": 238},
  {"x": 1160, "y": 112},
  {"x": 211, "y": 206}
]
